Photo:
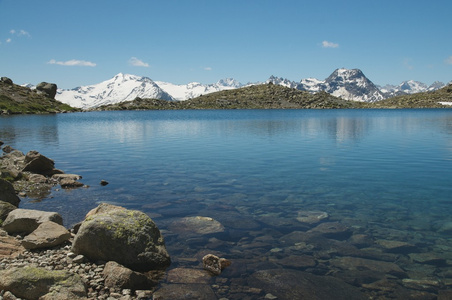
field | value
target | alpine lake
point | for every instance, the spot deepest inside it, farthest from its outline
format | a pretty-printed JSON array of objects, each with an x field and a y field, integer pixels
[{"x": 356, "y": 203}]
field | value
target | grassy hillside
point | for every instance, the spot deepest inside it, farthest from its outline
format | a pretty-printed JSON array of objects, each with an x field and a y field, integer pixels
[
  {"x": 264, "y": 96},
  {"x": 419, "y": 100},
  {"x": 15, "y": 99}
]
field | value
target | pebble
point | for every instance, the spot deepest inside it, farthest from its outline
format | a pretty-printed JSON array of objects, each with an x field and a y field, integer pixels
[{"x": 61, "y": 258}]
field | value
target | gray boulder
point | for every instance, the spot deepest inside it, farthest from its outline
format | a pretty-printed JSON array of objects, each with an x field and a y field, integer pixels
[
  {"x": 49, "y": 89},
  {"x": 27, "y": 220},
  {"x": 6, "y": 80},
  {"x": 7, "y": 193},
  {"x": 37, "y": 163},
  {"x": 38, "y": 283},
  {"x": 48, "y": 234},
  {"x": 128, "y": 237}
]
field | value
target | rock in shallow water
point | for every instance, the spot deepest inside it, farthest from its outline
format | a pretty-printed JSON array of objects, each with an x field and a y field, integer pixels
[
  {"x": 312, "y": 217},
  {"x": 128, "y": 237},
  {"x": 198, "y": 225},
  {"x": 292, "y": 284}
]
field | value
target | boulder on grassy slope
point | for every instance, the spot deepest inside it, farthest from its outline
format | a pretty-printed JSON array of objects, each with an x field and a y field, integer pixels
[{"x": 128, "y": 237}]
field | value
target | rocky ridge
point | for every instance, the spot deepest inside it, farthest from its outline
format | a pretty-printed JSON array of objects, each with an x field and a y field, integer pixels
[{"x": 16, "y": 99}]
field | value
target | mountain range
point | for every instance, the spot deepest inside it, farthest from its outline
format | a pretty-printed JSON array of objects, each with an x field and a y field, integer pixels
[{"x": 348, "y": 84}]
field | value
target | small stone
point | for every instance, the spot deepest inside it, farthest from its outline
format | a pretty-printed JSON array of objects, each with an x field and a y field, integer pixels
[
  {"x": 78, "y": 259},
  {"x": 214, "y": 264},
  {"x": 103, "y": 182}
]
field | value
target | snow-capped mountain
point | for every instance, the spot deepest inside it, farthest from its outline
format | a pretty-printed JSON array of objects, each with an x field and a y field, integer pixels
[
  {"x": 184, "y": 92},
  {"x": 352, "y": 85},
  {"x": 409, "y": 87},
  {"x": 344, "y": 83},
  {"x": 122, "y": 87},
  {"x": 348, "y": 84}
]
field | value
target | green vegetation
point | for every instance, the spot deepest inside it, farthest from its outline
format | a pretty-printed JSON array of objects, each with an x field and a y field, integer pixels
[
  {"x": 15, "y": 99},
  {"x": 269, "y": 96}
]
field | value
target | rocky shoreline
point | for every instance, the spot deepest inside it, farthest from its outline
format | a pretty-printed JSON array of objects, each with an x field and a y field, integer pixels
[{"x": 114, "y": 253}]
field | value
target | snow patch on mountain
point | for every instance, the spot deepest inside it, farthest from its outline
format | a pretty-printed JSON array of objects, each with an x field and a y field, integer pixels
[
  {"x": 184, "y": 92},
  {"x": 120, "y": 88}
]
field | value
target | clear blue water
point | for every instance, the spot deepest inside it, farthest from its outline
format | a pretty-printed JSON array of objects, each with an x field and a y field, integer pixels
[{"x": 253, "y": 170}]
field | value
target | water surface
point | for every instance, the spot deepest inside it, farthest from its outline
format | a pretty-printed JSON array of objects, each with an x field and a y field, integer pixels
[{"x": 383, "y": 174}]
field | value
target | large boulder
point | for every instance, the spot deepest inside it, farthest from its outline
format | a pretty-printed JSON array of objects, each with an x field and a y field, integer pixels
[
  {"x": 49, "y": 89},
  {"x": 7, "y": 193},
  {"x": 38, "y": 283},
  {"x": 128, "y": 237},
  {"x": 27, "y": 220},
  {"x": 37, "y": 163},
  {"x": 48, "y": 234},
  {"x": 6, "y": 80}
]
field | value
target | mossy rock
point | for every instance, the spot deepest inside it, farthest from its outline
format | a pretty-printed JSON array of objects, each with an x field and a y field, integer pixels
[
  {"x": 128, "y": 237},
  {"x": 34, "y": 283}
]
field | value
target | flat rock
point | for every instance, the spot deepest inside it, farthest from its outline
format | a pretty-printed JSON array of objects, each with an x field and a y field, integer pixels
[
  {"x": 355, "y": 263},
  {"x": 296, "y": 261},
  {"x": 332, "y": 230},
  {"x": 293, "y": 284},
  {"x": 48, "y": 234},
  {"x": 312, "y": 217},
  {"x": 7, "y": 193},
  {"x": 9, "y": 246},
  {"x": 198, "y": 225},
  {"x": 396, "y": 246},
  {"x": 428, "y": 258},
  {"x": 34, "y": 283},
  {"x": 185, "y": 291},
  {"x": 186, "y": 275},
  {"x": 27, "y": 220}
]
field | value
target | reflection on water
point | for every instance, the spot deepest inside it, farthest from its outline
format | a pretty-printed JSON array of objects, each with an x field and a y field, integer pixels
[{"x": 381, "y": 178}]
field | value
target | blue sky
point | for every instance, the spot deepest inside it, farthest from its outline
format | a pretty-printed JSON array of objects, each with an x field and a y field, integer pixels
[{"x": 74, "y": 43}]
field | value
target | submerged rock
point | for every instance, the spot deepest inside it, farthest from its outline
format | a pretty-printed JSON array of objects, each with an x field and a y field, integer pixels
[
  {"x": 128, "y": 237},
  {"x": 185, "y": 291},
  {"x": 186, "y": 275},
  {"x": 293, "y": 284},
  {"x": 198, "y": 224},
  {"x": 312, "y": 217},
  {"x": 214, "y": 264},
  {"x": 332, "y": 230}
]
